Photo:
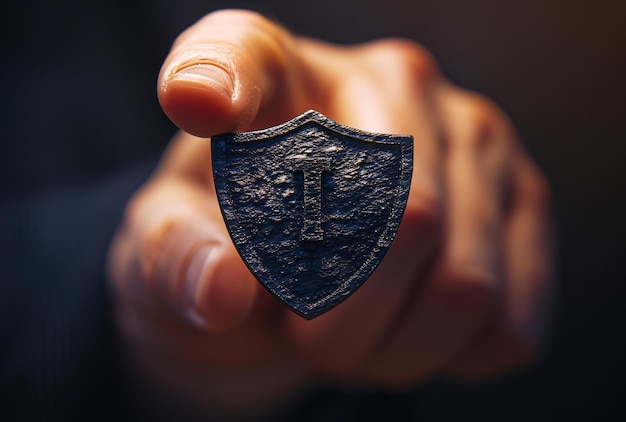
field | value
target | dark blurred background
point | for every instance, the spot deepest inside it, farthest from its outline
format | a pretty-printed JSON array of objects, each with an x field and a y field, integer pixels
[{"x": 79, "y": 112}]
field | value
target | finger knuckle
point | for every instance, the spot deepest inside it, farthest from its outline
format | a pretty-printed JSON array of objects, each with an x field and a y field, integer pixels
[
  {"x": 479, "y": 117},
  {"x": 479, "y": 107},
  {"x": 239, "y": 17},
  {"x": 404, "y": 58},
  {"x": 150, "y": 247}
]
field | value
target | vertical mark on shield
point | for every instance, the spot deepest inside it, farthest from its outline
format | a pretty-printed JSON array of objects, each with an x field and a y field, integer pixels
[{"x": 312, "y": 169}]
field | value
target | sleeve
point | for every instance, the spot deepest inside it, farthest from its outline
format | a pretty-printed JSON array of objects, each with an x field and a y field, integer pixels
[{"x": 58, "y": 355}]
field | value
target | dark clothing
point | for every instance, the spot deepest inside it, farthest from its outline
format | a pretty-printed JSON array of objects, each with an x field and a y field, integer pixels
[{"x": 82, "y": 130}]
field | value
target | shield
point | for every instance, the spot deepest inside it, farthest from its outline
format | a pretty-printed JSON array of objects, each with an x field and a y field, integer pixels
[{"x": 311, "y": 205}]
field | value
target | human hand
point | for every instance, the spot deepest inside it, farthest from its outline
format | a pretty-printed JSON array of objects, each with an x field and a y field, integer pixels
[{"x": 462, "y": 290}]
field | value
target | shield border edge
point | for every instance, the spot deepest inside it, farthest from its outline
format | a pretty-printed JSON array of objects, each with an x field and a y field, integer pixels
[{"x": 218, "y": 152}]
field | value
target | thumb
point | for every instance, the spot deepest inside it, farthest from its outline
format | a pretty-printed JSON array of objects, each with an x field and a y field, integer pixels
[
  {"x": 185, "y": 259},
  {"x": 223, "y": 70}
]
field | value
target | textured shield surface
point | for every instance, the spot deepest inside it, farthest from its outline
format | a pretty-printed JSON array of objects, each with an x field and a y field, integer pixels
[{"x": 311, "y": 205}]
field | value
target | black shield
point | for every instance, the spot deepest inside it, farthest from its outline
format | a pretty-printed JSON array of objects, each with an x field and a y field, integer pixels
[{"x": 311, "y": 205}]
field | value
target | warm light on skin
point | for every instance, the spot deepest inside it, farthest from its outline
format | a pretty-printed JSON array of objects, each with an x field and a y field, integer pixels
[{"x": 438, "y": 303}]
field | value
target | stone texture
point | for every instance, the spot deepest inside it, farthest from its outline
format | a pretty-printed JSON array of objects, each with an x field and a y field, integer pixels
[{"x": 311, "y": 205}]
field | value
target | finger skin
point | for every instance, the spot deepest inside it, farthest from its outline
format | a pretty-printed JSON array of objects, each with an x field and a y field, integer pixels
[
  {"x": 185, "y": 255},
  {"x": 332, "y": 343},
  {"x": 223, "y": 70},
  {"x": 520, "y": 329},
  {"x": 455, "y": 288},
  {"x": 422, "y": 208},
  {"x": 461, "y": 294}
]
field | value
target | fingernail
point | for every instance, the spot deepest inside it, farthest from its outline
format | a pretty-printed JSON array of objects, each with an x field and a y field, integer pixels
[
  {"x": 196, "y": 272},
  {"x": 206, "y": 74}
]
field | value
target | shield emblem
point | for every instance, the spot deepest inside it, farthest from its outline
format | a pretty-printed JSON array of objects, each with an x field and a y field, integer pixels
[{"x": 311, "y": 205}]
